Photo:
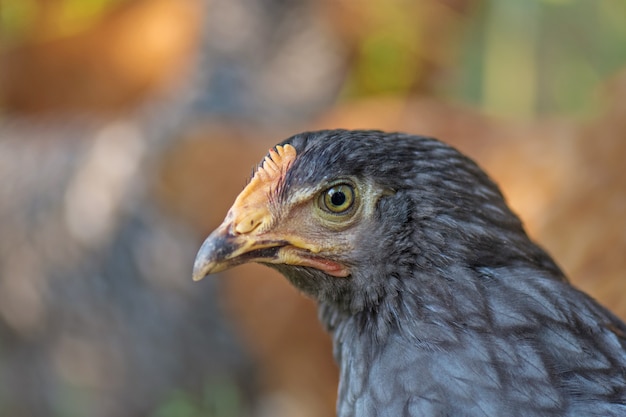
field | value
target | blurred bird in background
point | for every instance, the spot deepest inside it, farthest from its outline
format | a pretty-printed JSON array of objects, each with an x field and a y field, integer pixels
[{"x": 126, "y": 124}]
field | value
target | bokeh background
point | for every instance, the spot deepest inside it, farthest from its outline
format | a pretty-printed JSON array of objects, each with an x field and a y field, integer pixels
[{"x": 127, "y": 128}]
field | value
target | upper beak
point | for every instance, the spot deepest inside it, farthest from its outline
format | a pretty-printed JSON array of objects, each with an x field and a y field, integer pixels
[{"x": 225, "y": 248}]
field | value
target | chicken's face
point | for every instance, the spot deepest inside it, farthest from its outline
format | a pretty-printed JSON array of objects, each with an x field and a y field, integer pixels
[
  {"x": 285, "y": 222},
  {"x": 314, "y": 212}
]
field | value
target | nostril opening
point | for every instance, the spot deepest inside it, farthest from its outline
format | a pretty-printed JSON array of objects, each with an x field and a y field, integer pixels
[{"x": 247, "y": 225}]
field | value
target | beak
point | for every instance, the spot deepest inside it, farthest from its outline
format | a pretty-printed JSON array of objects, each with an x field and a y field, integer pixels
[
  {"x": 238, "y": 239},
  {"x": 224, "y": 249}
]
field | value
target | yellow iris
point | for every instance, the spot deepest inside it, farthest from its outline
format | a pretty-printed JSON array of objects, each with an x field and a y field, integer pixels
[{"x": 338, "y": 199}]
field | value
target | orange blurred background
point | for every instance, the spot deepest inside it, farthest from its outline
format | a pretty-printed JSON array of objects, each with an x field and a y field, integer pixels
[{"x": 127, "y": 128}]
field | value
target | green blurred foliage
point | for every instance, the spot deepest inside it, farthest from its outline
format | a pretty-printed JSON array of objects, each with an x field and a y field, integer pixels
[
  {"x": 388, "y": 56},
  {"x": 517, "y": 58},
  {"x": 74, "y": 400},
  {"x": 534, "y": 57},
  {"x": 16, "y": 18},
  {"x": 46, "y": 20},
  {"x": 221, "y": 398}
]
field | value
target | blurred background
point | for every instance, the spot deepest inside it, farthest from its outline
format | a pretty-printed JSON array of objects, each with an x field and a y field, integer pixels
[{"x": 127, "y": 128}]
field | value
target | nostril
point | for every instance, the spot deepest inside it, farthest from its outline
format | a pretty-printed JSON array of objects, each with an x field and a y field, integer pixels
[{"x": 248, "y": 224}]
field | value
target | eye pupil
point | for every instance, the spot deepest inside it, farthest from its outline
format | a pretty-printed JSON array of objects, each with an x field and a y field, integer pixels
[{"x": 337, "y": 198}]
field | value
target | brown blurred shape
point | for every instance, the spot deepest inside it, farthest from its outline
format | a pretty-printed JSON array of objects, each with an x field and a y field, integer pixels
[
  {"x": 139, "y": 47},
  {"x": 586, "y": 227}
]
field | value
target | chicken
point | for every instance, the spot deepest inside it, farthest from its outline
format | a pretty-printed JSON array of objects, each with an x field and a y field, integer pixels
[{"x": 437, "y": 301}]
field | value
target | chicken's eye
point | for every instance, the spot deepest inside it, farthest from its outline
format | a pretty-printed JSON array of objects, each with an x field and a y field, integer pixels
[{"x": 338, "y": 198}]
